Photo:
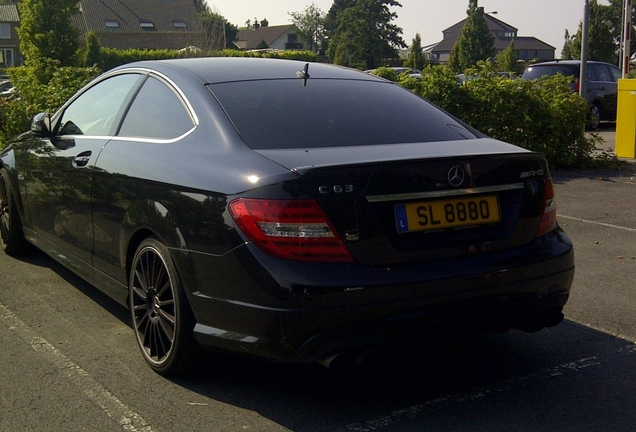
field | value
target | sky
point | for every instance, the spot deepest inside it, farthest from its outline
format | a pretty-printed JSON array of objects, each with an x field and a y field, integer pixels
[{"x": 546, "y": 20}]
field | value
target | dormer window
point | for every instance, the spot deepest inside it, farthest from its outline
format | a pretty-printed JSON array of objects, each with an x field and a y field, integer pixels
[
  {"x": 147, "y": 25},
  {"x": 179, "y": 25},
  {"x": 111, "y": 24},
  {"x": 5, "y": 31}
]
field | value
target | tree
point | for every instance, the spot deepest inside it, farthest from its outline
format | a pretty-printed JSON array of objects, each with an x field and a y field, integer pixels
[
  {"x": 201, "y": 6},
  {"x": 310, "y": 24},
  {"x": 219, "y": 33},
  {"x": 364, "y": 34},
  {"x": 602, "y": 46},
  {"x": 331, "y": 17},
  {"x": 47, "y": 32},
  {"x": 507, "y": 60},
  {"x": 416, "y": 58},
  {"x": 93, "y": 50},
  {"x": 475, "y": 41},
  {"x": 614, "y": 14},
  {"x": 572, "y": 46}
]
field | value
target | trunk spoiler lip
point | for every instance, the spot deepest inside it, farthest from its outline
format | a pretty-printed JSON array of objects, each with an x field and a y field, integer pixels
[{"x": 301, "y": 160}]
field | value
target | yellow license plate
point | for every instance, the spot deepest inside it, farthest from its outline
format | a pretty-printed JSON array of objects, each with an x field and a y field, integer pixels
[{"x": 448, "y": 213}]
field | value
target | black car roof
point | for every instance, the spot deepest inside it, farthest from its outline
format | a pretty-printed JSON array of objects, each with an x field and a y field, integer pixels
[{"x": 224, "y": 69}]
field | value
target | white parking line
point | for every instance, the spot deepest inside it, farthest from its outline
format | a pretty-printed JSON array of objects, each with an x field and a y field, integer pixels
[
  {"x": 597, "y": 223},
  {"x": 96, "y": 393}
]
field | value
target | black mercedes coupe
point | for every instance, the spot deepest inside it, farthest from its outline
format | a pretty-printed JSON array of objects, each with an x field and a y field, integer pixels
[{"x": 285, "y": 210}]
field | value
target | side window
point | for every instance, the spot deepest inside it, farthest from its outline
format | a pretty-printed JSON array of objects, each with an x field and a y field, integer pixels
[
  {"x": 95, "y": 110},
  {"x": 157, "y": 112},
  {"x": 602, "y": 74},
  {"x": 616, "y": 73}
]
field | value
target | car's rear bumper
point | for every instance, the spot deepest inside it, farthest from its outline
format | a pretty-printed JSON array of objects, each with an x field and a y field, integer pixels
[{"x": 245, "y": 309}]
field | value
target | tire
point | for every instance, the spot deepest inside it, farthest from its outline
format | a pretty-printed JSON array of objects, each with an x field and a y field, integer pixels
[
  {"x": 594, "y": 118},
  {"x": 11, "y": 235},
  {"x": 161, "y": 316}
]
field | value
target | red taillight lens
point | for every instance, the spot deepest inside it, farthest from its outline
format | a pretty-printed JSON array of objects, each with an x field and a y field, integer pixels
[
  {"x": 291, "y": 229},
  {"x": 548, "y": 217},
  {"x": 577, "y": 85}
]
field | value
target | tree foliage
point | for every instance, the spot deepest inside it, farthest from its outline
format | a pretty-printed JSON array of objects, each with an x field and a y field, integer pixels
[
  {"x": 201, "y": 6},
  {"x": 603, "y": 35},
  {"x": 92, "y": 52},
  {"x": 364, "y": 34},
  {"x": 310, "y": 24},
  {"x": 542, "y": 115},
  {"x": 475, "y": 41},
  {"x": 416, "y": 56},
  {"x": 219, "y": 33},
  {"x": 47, "y": 32},
  {"x": 508, "y": 60}
]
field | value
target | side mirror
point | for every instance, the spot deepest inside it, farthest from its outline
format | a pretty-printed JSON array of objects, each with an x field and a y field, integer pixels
[{"x": 41, "y": 125}]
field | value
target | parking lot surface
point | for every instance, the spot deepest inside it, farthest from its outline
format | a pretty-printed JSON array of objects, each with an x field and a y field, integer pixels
[{"x": 69, "y": 362}]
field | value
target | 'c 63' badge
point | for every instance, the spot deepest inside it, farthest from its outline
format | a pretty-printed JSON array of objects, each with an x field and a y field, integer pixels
[{"x": 336, "y": 189}]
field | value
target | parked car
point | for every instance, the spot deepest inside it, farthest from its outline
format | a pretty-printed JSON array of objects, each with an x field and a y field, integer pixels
[
  {"x": 284, "y": 210},
  {"x": 412, "y": 72},
  {"x": 602, "y": 84},
  {"x": 7, "y": 90}
]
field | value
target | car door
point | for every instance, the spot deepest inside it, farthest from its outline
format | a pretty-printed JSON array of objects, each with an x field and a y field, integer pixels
[
  {"x": 135, "y": 177},
  {"x": 60, "y": 168},
  {"x": 603, "y": 87}
]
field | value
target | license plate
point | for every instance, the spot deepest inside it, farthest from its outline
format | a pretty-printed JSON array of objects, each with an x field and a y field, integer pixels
[{"x": 448, "y": 213}]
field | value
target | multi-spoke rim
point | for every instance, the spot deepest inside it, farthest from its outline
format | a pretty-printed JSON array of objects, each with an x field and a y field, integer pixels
[{"x": 152, "y": 300}]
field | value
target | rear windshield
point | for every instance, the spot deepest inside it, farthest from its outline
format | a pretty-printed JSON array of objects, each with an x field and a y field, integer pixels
[
  {"x": 537, "y": 71},
  {"x": 277, "y": 114}
]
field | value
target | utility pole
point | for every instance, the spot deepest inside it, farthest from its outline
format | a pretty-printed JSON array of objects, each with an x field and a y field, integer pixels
[{"x": 584, "y": 38}]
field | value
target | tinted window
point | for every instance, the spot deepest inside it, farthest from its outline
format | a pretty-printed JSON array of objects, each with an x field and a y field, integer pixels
[
  {"x": 537, "y": 71},
  {"x": 616, "y": 73},
  {"x": 157, "y": 112},
  {"x": 274, "y": 114},
  {"x": 602, "y": 72},
  {"x": 94, "y": 112}
]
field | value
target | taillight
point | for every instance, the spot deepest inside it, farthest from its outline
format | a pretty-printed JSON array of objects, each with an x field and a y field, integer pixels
[
  {"x": 291, "y": 229},
  {"x": 548, "y": 216},
  {"x": 577, "y": 85}
]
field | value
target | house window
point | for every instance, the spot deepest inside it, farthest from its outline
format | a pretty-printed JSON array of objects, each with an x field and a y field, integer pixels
[
  {"x": 111, "y": 24},
  {"x": 179, "y": 25},
  {"x": 5, "y": 31},
  {"x": 6, "y": 57},
  {"x": 147, "y": 25}
]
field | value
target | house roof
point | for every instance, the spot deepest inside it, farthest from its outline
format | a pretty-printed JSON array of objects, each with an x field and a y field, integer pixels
[
  {"x": 451, "y": 35},
  {"x": 9, "y": 13},
  {"x": 528, "y": 43},
  {"x": 137, "y": 16},
  {"x": 251, "y": 38},
  {"x": 493, "y": 23}
]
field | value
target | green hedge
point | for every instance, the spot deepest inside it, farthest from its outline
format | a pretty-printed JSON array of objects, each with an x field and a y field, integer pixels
[
  {"x": 542, "y": 115},
  {"x": 41, "y": 88}
]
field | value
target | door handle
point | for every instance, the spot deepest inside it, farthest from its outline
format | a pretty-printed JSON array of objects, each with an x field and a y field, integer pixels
[{"x": 82, "y": 159}]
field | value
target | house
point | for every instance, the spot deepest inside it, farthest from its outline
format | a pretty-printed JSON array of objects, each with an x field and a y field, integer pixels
[
  {"x": 527, "y": 47},
  {"x": 143, "y": 24},
  {"x": 282, "y": 37},
  {"x": 9, "y": 42}
]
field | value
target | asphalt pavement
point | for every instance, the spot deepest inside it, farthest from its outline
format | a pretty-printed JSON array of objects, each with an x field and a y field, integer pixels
[{"x": 69, "y": 362}]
